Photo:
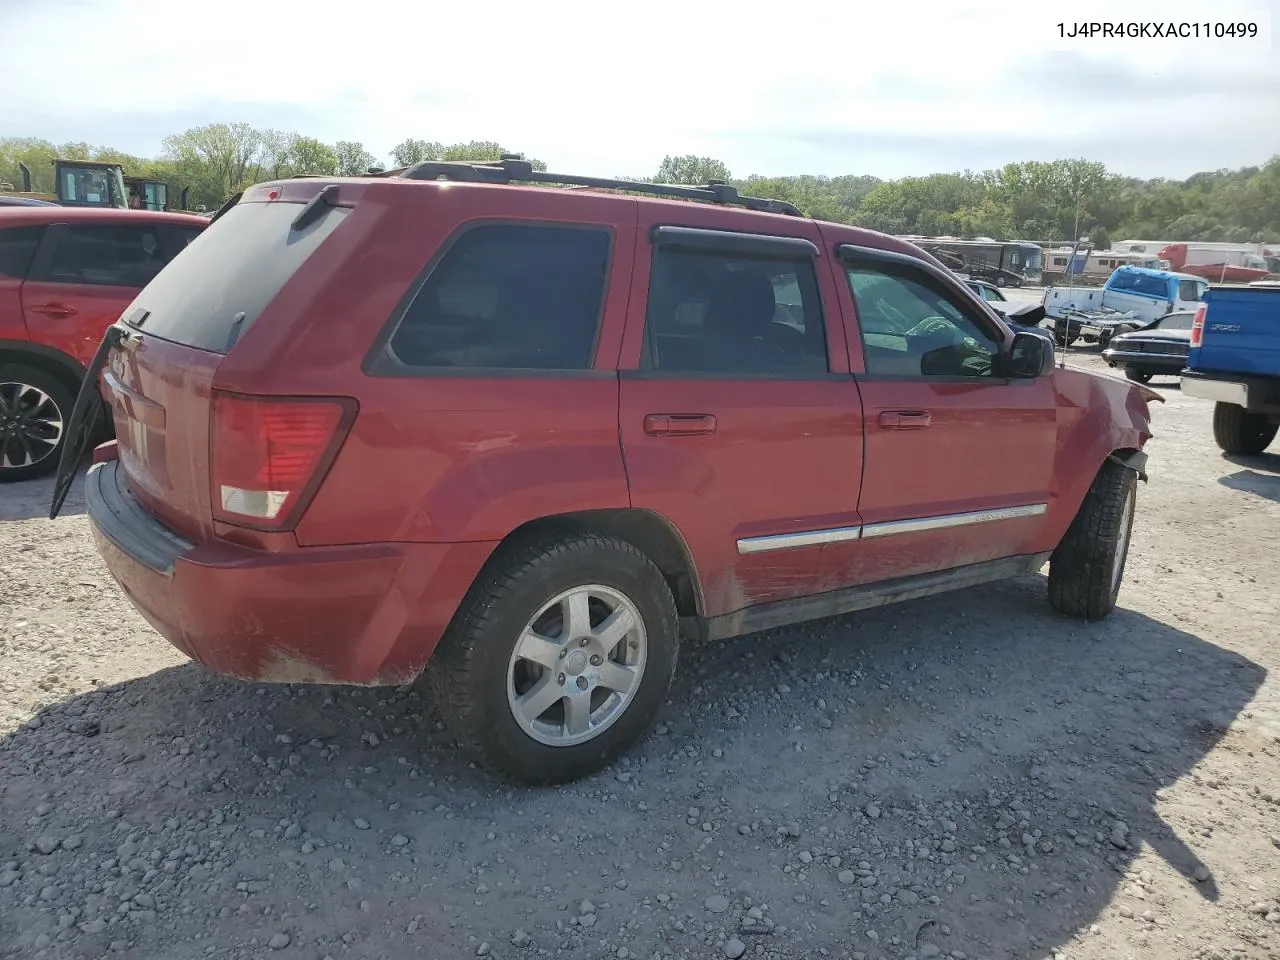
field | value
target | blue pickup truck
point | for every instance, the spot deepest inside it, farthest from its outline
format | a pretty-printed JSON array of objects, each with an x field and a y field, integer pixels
[{"x": 1234, "y": 360}]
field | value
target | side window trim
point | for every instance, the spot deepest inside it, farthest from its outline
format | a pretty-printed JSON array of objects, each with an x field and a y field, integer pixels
[
  {"x": 381, "y": 360},
  {"x": 851, "y": 254},
  {"x": 730, "y": 242},
  {"x": 42, "y": 262}
]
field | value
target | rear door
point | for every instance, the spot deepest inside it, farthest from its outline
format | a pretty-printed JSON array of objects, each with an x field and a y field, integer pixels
[
  {"x": 85, "y": 277},
  {"x": 959, "y": 462},
  {"x": 740, "y": 423},
  {"x": 18, "y": 245}
]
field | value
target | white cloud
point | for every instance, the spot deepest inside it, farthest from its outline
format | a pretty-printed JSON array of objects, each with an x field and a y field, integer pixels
[{"x": 800, "y": 87}]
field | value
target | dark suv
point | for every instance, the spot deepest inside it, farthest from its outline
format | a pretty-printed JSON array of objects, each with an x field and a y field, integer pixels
[{"x": 537, "y": 436}]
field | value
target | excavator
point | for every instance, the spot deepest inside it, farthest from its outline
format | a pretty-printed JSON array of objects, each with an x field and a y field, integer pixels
[{"x": 97, "y": 183}]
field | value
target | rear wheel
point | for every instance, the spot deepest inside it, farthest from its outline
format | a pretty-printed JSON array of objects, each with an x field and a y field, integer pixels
[
  {"x": 560, "y": 657},
  {"x": 1137, "y": 374},
  {"x": 1086, "y": 569},
  {"x": 1240, "y": 432},
  {"x": 34, "y": 408}
]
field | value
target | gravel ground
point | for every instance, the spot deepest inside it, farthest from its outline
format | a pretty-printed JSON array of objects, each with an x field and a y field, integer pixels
[{"x": 968, "y": 776}]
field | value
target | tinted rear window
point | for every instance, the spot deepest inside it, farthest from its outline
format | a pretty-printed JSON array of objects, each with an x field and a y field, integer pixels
[
  {"x": 233, "y": 269},
  {"x": 509, "y": 296},
  {"x": 17, "y": 248}
]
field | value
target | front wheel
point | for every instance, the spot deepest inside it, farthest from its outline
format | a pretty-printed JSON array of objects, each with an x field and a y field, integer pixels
[
  {"x": 1086, "y": 568},
  {"x": 1137, "y": 375},
  {"x": 34, "y": 409},
  {"x": 560, "y": 657},
  {"x": 1238, "y": 431}
]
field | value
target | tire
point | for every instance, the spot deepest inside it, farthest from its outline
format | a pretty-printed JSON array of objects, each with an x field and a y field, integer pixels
[
  {"x": 1087, "y": 567},
  {"x": 1240, "y": 432},
  {"x": 34, "y": 409},
  {"x": 1137, "y": 375},
  {"x": 479, "y": 680}
]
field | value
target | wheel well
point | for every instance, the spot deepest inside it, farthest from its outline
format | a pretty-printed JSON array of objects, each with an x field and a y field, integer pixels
[
  {"x": 648, "y": 532},
  {"x": 45, "y": 362}
]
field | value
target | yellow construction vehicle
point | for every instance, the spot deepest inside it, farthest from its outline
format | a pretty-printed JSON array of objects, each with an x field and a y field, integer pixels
[{"x": 98, "y": 183}]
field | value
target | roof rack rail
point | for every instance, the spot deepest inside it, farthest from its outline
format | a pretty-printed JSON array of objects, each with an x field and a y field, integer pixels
[{"x": 515, "y": 169}]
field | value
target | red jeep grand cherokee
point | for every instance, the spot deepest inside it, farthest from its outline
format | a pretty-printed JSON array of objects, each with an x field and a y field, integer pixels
[
  {"x": 536, "y": 436},
  {"x": 65, "y": 275}
]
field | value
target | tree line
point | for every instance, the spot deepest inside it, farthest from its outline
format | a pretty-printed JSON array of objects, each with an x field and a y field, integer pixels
[{"x": 1057, "y": 200}]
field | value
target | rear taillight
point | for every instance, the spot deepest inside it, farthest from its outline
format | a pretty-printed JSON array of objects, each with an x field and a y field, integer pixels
[
  {"x": 270, "y": 453},
  {"x": 1197, "y": 325}
]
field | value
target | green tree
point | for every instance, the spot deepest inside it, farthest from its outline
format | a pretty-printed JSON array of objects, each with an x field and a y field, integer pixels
[
  {"x": 309, "y": 155},
  {"x": 353, "y": 159},
  {"x": 691, "y": 169},
  {"x": 415, "y": 151}
]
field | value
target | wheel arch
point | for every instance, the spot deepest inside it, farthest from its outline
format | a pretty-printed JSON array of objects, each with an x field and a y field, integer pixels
[
  {"x": 651, "y": 533},
  {"x": 49, "y": 359}
]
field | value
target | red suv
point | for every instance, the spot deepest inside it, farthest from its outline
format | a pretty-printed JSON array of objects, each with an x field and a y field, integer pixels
[
  {"x": 65, "y": 276},
  {"x": 537, "y": 436}
]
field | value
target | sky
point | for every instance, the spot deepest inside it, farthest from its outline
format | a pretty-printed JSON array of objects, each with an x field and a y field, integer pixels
[{"x": 609, "y": 89}]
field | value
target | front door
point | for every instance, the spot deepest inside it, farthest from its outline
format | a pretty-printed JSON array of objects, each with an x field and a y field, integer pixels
[
  {"x": 740, "y": 422},
  {"x": 959, "y": 460}
]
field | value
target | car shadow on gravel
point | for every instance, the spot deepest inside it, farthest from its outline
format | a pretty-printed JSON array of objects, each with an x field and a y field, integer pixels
[
  {"x": 29, "y": 500},
  {"x": 1260, "y": 477},
  {"x": 964, "y": 773}
]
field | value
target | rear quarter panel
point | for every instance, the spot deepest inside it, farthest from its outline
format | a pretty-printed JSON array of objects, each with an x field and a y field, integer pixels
[{"x": 439, "y": 458}]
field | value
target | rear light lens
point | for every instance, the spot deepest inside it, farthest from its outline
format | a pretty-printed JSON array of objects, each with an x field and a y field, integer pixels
[
  {"x": 270, "y": 453},
  {"x": 1197, "y": 324}
]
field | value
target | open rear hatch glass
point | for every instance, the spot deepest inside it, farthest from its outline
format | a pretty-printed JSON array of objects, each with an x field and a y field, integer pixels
[{"x": 159, "y": 379}]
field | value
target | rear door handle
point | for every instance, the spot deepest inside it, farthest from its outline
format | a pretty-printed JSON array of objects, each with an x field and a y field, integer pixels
[
  {"x": 905, "y": 419},
  {"x": 56, "y": 310},
  {"x": 679, "y": 424}
]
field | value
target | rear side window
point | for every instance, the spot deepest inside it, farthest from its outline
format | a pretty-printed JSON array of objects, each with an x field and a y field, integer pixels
[
  {"x": 732, "y": 315},
  {"x": 218, "y": 286},
  {"x": 18, "y": 249},
  {"x": 1191, "y": 290},
  {"x": 509, "y": 297},
  {"x": 116, "y": 255}
]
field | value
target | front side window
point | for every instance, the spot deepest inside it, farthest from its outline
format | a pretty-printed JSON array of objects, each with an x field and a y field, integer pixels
[
  {"x": 728, "y": 314},
  {"x": 509, "y": 297},
  {"x": 911, "y": 327},
  {"x": 125, "y": 255}
]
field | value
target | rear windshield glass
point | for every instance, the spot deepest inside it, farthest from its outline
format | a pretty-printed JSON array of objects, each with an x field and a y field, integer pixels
[
  {"x": 1141, "y": 283},
  {"x": 233, "y": 269}
]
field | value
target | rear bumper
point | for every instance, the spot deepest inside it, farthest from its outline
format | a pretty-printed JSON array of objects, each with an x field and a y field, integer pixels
[
  {"x": 1167, "y": 362},
  {"x": 1256, "y": 394},
  {"x": 364, "y": 614}
]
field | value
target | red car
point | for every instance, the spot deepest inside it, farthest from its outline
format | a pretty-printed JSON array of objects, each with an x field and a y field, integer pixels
[
  {"x": 65, "y": 276},
  {"x": 537, "y": 436}
]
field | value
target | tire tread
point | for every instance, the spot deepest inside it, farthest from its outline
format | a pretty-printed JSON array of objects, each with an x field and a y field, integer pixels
[{"x": 1080, "y": 568}]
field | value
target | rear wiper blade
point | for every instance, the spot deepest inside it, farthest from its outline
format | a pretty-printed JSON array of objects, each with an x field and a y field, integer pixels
[
  {"x": 85, "y": 417},
  {"x": 227, "y": 206},
  {"x": 316, "y": 207}
]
